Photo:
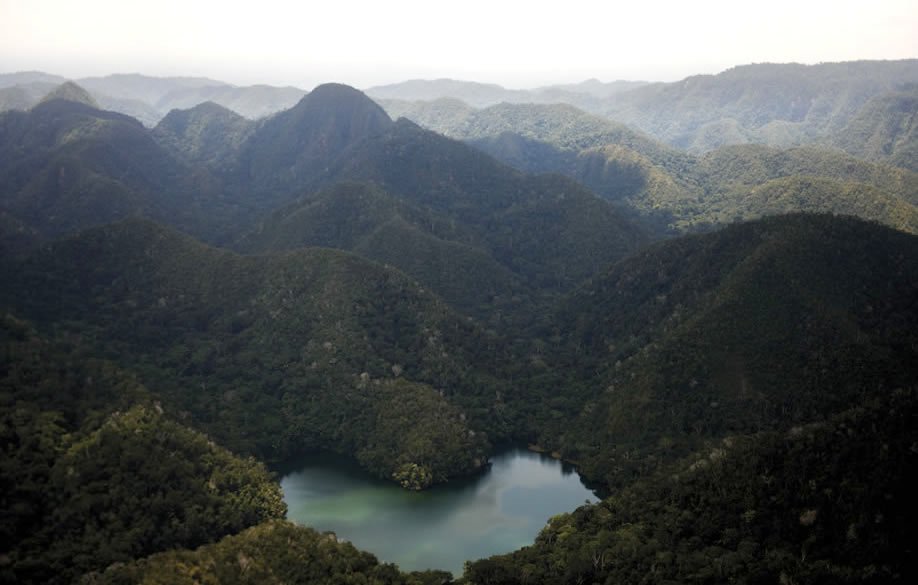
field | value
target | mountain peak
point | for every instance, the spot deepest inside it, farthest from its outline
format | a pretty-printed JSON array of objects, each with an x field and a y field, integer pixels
[
  {"x": 343, "y": 102},
  {"x": 335, "y": 90},
  {"x": 304, "y": 140},
  {"x": 71, "y": 92}
]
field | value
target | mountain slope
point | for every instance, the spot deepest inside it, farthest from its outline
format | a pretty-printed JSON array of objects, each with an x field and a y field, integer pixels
[
  {"x": 294, "y": 147},
  {"x": 207, "y": 133},
  {"x": 362, "y": 218},
  {"x": 667, "y": 188},
  {"x": 776, "y": 104},
  {"x": 827, "y": 502},
  {"x": 65, "y": 166},
  {"x": 562, "y": 126},
  {"x": 550, "y": 231},
  {"x": 72, "y": 92},
  {"x": 93, "y": 471},
  {"x": 277, "y": 355},
  {"x": 815, "y": 195},
  {"x": 271, "y": 553},
  {"x": 884, "y": 130},
  {"x": 547, "y": 228},
  {"x": 759, "y": 326}
]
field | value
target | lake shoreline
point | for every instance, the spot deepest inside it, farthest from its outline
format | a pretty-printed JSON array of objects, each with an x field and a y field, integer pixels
[{"x": 494, "y": 512}]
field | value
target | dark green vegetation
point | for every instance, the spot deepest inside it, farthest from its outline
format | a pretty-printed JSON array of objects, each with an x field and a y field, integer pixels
[
  {"x": 450, "y": 258},
  {"x": 760, "y": 326},
  {"x": 745, "y": 396},
  {"x": 93, "y": 472},
  {"x": 275, "y": 355},
  {"x": 274, "y": 552},
  {"x": 828, "y": 502},
  {"x": 207, "y": 133}
]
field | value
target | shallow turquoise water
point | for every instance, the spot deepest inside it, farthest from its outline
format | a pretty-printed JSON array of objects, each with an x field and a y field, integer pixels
[{"x": 439, "y": 528}]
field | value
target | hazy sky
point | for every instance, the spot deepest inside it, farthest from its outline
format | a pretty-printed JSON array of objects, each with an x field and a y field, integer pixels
[{"x": 515, "y": 43}]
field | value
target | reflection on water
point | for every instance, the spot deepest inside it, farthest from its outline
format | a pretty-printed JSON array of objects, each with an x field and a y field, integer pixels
[{"x": 439, "y": 528}]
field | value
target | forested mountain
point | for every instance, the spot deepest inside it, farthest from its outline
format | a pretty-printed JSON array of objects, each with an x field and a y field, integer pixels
[
  {"x": 337, "y": 134},
  {"x": 79, "y": 491},
  {"x": 207, "y": 133},
  {"x": 775, "y": 104},
  {"x": 744, "y": 398},
  {"x": 144, "y": 88},
  {"x": 65, "y": 166},
  {"x": 316, "y": 349},
  {"x": 826, "y": 502},
  {"x": 292, "y": 149},
  {"x": 668, "y": 187},
  {"x": 560, "y": 125},
  {"x": 274, "y": 552},
  {"x": 452, "y": 259},
  {"x": 761, "y": 325},
  {"x": 151, "y": 98},
  {"x": 208, "y": 158},
  {"x": 27, "y": 77},
  {"x": 778, "y": 359},
  {"x": 545, "y": 227},
  {"x": 885, "y": 130},
  {"x": 70, "y": 91},
  {"x": 711, "y": 357}
]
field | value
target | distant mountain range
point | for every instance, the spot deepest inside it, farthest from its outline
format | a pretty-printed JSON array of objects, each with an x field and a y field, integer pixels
[
  {"x": 776, "y": 104},
  {"x": 149, "y": 99},
  {"x": 672, "y": 188},
  {"x": 586, "y": 94}
]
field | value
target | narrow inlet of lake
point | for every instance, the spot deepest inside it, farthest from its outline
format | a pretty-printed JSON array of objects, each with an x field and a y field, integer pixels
[{"x": 440, "y": 528}]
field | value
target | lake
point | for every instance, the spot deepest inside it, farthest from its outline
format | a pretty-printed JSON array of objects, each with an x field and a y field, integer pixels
[{"x": 440, "y": 528}]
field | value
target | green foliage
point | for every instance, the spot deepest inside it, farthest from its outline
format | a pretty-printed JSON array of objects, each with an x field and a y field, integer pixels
[
  {"x": 547, "y": 229},
  {"x": 86, "y": 484},
  {"x": 666, "y": 188},
  {"x": 448, "y": 257},
  {"x": 413, "y": 476},
  {"x": 760, "y": 326},
  {"x": 414, "y": 434},
  {"x": 205, "y": 134},
  {"x": 141, "y": 484},
  {"x": 274, "y": 355},
  {"x": 824, "y": 502},
  {"x": 274, "y": 552},
  {"x": 884, "y": 130}
]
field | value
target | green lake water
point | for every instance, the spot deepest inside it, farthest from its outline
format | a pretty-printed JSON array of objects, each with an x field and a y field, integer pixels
[{"x": 440, "y": 528}]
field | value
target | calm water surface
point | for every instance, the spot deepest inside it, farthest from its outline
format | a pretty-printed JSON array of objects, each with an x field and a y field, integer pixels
[{"x": 439, "y": 528}]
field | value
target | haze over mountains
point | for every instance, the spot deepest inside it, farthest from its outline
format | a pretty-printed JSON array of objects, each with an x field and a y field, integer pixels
[{"x": 414, "y": 281}]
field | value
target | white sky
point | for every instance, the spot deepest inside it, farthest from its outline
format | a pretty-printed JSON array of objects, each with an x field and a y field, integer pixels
[{"x": 514, "y": 43}]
